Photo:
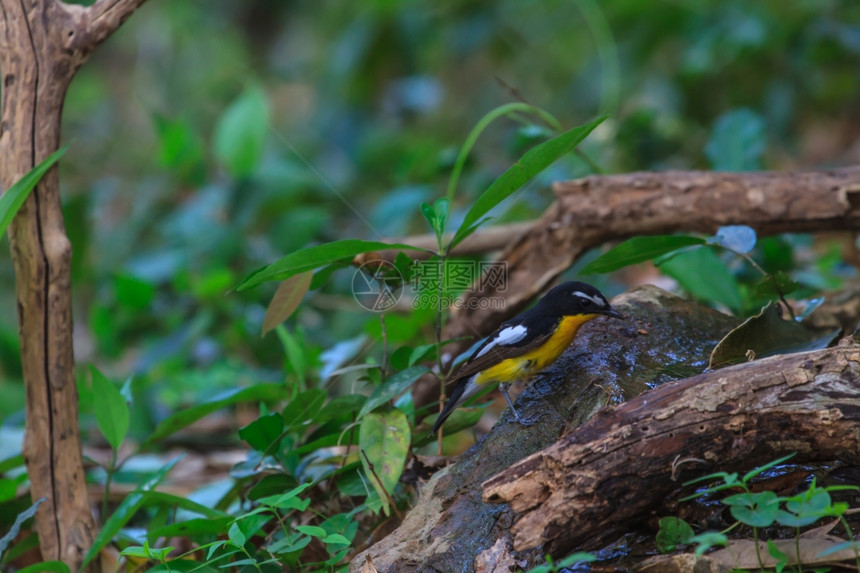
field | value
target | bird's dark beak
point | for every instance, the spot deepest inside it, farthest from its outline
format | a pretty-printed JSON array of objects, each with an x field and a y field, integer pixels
[{"x": 613, "y": 313}]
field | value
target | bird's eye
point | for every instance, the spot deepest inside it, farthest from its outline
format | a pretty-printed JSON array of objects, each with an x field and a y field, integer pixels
[{"x": 586, "y": 303}]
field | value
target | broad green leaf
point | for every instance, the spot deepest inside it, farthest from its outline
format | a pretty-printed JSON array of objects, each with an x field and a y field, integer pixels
[
  {"x": 383, "y": 440},
  {"x": 295, "y": 361},
  {"x": 241, "y": 132},
  {"x": 260, "y": 433},
  {"x": 283, "y": 500},
  {"x": 392, "y": 387},
  {"x": 125, "y": 511},
  {"x": 737, "y": 238},
  {"x": 111, "y": 409},
  {"x": 707, "y": 540},
  {"x": 186, "y": 417},
  {"x": 286, "y": 300},
  {"x": 737, "y": 142},
  {"x": 313, "y": 258},
  {"x": 754, "y": 509},
  {"x": 14, "y": 197},
  {"x": 704, "y": 275},
  {"x": 766, "y": 334},
  {"x": 236, "y": 536},
  {"x": 19, "y": 521},
  {"x": 639, "y": 250},
  {"x": 533, "y": 162},
  {"x": 673, "y": 532}
]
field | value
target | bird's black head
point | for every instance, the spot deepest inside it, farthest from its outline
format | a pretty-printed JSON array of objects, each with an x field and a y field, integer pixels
[{"x": 573, "y": 298}]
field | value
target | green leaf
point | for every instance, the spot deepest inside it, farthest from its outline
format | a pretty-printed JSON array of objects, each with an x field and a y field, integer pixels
[
  {"x": 704, "y": 275},
  {"x": 707, "y": 540},
  {"x": 766, "y": 334},
  {"x": 392, "y": 387},
  {"x": 241, "y": 132},
  {"x": 186, "y": 417},
  {"x": 51, "y": 566},
  {"x": 673, "y": 532},
  {"x": 125, "y": 511},
  {"x": 14, "y": 197},
  {"x": 295, "y": 353},
  {"x": 776, "y": 553},
  {"x": 263, "y": 431},
  {"x": 737, "y": 142},
  {"x": 775, "y": 284},
  {"x": 170, "y": 500},
  {"x": 312, "y": 530},
  {"x": 754, "y": 509},
  {"x": 639, "y": 250},
  {"x": 236, "y": 536},
  {"x": 111, "y": 409},
  {"x": 313, "y": 258},
  {"x": 19, "y": 521},
  {"x": 286, "y": 300},
  {"x": 383, "y": 440},
  {"x": 533, "y": 162},
  {"x": 304, "y": 408},
  {"x": 197, "y": 527},
  {"x": 481, "y": 125},
  {"x": 460, "y": 419}
]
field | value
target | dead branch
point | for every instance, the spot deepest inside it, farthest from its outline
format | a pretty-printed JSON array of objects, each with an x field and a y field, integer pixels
[
  {"x": 42, "y": 44},
  {"x": 596, "y": 210},
  {"x": 598, "y": 479}
]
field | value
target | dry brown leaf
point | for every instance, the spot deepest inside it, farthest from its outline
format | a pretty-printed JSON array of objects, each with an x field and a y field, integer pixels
[
  {"x": 741, "y": 553},
  {"x": 286, "y": 300}
]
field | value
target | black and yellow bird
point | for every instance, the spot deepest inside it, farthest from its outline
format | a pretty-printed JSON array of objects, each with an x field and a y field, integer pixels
[{"x": 528, "y": 343}]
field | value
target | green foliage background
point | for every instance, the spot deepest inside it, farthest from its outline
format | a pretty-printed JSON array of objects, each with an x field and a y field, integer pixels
[{"x": 211, "y": 137}]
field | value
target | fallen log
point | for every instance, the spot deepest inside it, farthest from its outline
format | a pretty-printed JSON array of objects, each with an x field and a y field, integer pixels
[{"x": 598, "y": 479}]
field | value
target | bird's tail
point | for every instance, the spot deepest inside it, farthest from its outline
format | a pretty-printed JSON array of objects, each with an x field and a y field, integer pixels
[{"x": 457, "y": 397}]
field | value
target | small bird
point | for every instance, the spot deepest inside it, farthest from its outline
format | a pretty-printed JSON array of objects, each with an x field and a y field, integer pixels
[{"x": 527, "y": 343}]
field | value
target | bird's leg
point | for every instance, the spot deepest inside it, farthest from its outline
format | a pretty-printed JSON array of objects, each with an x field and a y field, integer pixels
[{"x": 520, "y": 420}]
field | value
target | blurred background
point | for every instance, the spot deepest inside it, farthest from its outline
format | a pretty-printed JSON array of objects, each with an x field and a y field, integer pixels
[{"x": 210, "y": 137}]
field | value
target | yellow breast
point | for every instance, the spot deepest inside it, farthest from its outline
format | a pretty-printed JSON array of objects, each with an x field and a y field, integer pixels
[{"x": 539, "y": 358}]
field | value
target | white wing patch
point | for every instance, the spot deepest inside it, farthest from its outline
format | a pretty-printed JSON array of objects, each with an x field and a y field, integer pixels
[
  {"x": 505, "y": 337},
  {"x": 595, "y": 299}
]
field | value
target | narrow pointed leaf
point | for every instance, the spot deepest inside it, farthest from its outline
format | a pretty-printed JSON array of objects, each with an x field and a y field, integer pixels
[
  {"x": 638, "y": 250},
  {"x": 533, "y": 162},
  {"x": 14, "y": 197},
  {"x": 313, "y": 258},
  {"x": 286, "y": 300},
  {"x": 111, "y": 409}
]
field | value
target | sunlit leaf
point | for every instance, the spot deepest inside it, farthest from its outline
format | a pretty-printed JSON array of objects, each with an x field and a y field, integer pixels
[{"x": 738, "y": 238}]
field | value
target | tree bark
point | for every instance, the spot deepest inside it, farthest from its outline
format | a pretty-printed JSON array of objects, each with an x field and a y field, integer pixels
[
  {"x": 42, "y": 44},
  {"x": 599, "y": 209},
  {"x": 598, "y": 479}
]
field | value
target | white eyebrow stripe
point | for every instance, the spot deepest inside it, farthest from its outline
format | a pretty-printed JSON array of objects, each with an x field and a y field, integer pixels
[
  {"x": 506, "y": 336},
  {"x": 595, "y": 299}
]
